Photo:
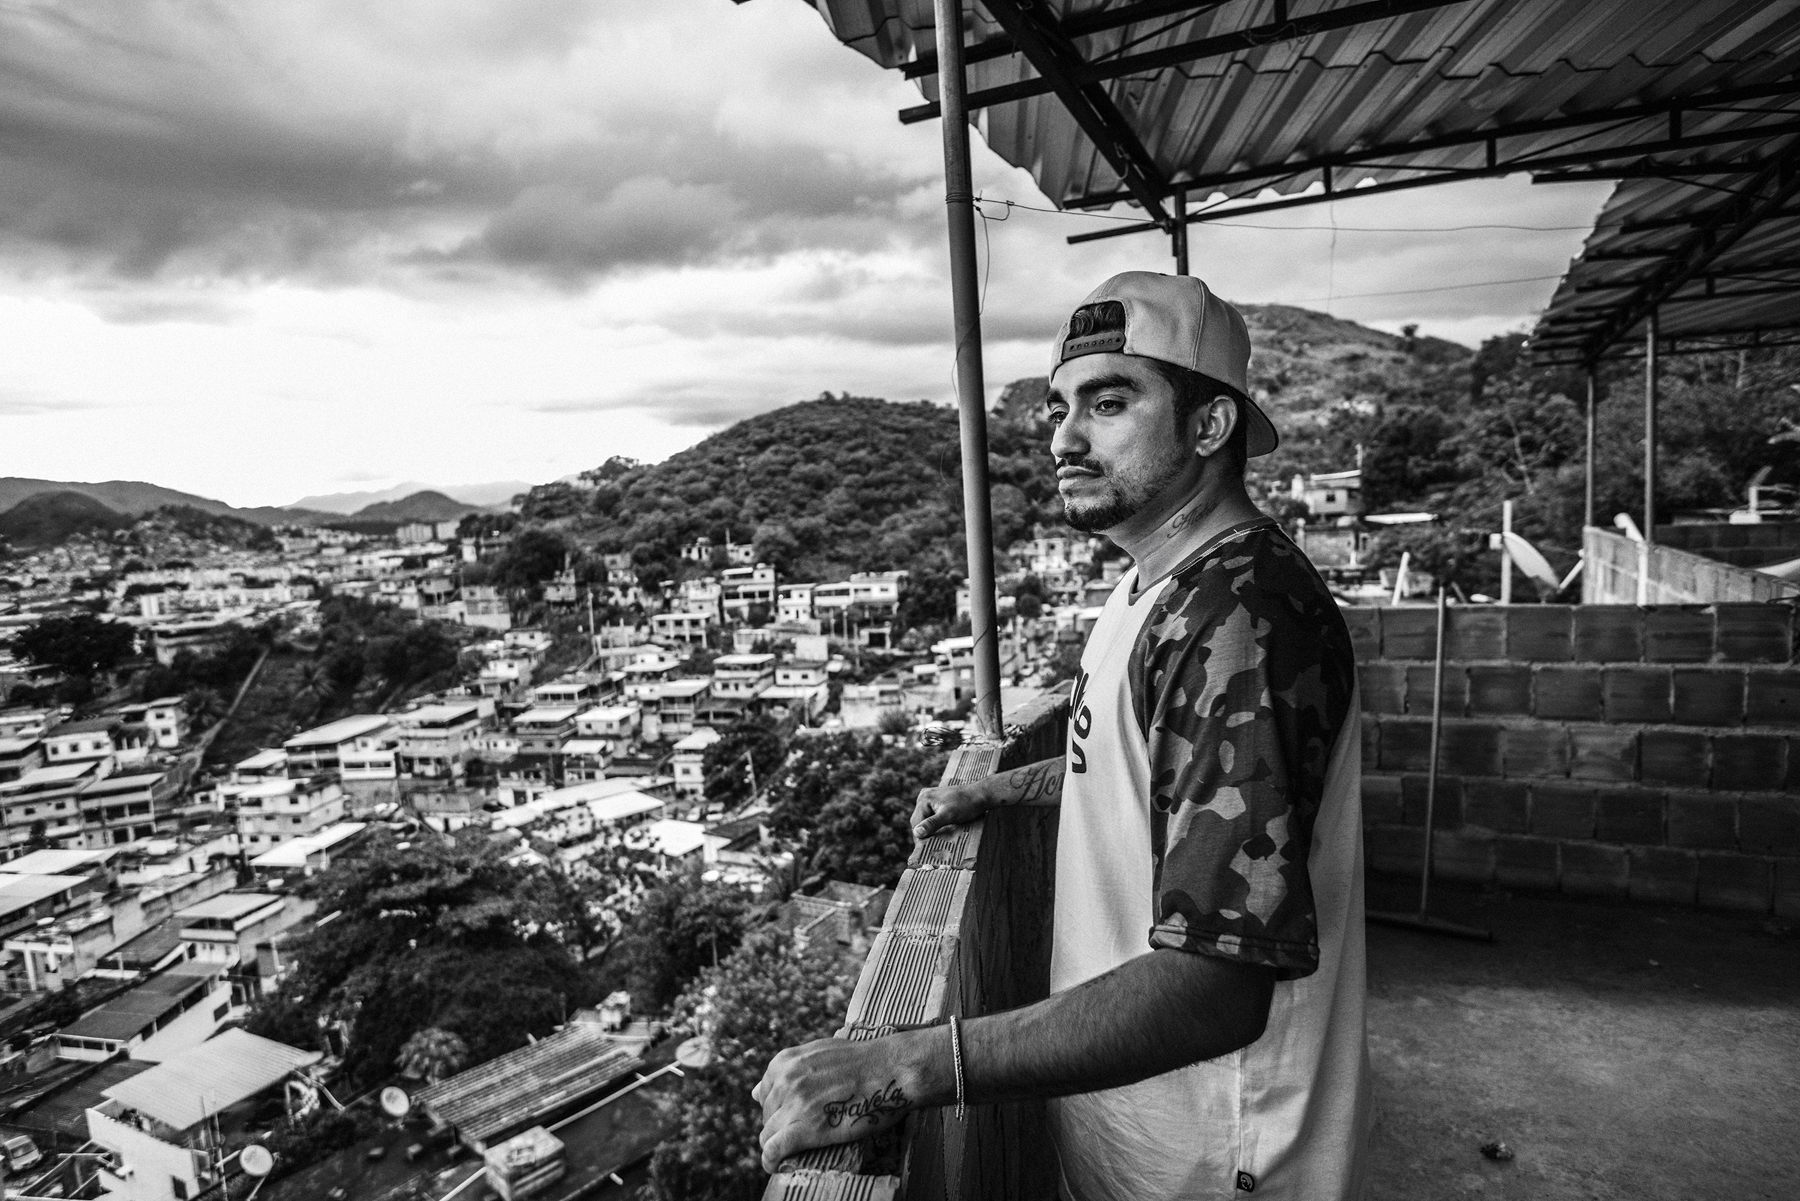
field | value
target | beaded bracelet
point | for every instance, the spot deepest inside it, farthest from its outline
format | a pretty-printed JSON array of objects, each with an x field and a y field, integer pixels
[{"x": 956, "y": 1060}]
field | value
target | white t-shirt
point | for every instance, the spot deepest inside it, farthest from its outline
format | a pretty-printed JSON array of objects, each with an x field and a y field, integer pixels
[{"x": 1213, "y": 806}]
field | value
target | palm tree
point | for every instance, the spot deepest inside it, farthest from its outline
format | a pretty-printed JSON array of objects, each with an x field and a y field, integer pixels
[
  {"x": 312, "y": 685},
  {"x": 431, "y": 1054},
  {"x": 204, "y": 706}
]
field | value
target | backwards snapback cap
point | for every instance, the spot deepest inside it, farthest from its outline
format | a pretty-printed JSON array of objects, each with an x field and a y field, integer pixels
[{"x": 1177, "y": 319}]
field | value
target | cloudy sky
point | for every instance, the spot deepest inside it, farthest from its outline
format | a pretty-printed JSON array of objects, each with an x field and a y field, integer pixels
[{"x": 261, "y": 248}]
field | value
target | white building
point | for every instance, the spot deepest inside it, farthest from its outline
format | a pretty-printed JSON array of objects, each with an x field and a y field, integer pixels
[
  {"x": 683, "y": 627},
  {"x": 436, "y": 742},
  {"x": 689, "y": 762},
  {"x": 360, "y": 748},
  {"x": 159, "y": 1132},
  {"x": 742, "y": 676},
  {"x": 614, "y": 724},
  {"x": 278, "y": 811},
  {"x": 168, "y": 1013},
  {"x": 795, "y": 603},
  {"x": 1330, "y": 493}
]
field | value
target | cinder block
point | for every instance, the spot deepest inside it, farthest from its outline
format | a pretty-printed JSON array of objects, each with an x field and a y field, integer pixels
[
  {"x": 1748, "y": 762},
  {"x": 1371, "y": 742},
  {"x": 1409, "y": 633},
  {"x": 1469, "y": 749},
  {"x": 1365, "y": 631},
  {"x": 1503, "y": 806},
  {"x": 1446, "y": 809},
  {"x": 1672, "y": 757},
  {"x": 1540, "y": 633},
  {"x": 1601, "y": 753},
  {"x": 1661, "y": 874},
  {"x": 1787, "y": 887},
  {"x": 1500, "y": 689},
  {"x": 1383, "y": 687},
  {"x": 1737, "y": 882},
  {"x": 1629, "y": 815},
  {"x": 1475, "y": 634},
  {"x": 1792, "y": 783},
  {"x": 1394, "y": 849},
  {"x": 1562, "y": 810},
  {"x": 1755, "y": 633},
  {"x": 1703, "y": 822},
  {"x": 1637, "y": 694},
  {"x": 1525, "y": 862},
  {"x": 1608, "y": 634},
  {"x": 1540, "y": 749},
  {"x": 1769, "y": 825},
  {"x": 1568, "y": 692},
  {"x": 1773, "y": 698},
  {"x": 1674, "y": 635},
  {"x": 1709, "y": 696},
  {"x": 1456, "y": 689},
  {"x": 1590, "y": 869},
  {"x": 1381, "y": 800},
  {"x": 1405, "y": 744},
  {"x": 1462, "y": 855}
]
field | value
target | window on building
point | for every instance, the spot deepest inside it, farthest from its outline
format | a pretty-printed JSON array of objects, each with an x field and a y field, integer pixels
[{"x": 178, "y": 1188}]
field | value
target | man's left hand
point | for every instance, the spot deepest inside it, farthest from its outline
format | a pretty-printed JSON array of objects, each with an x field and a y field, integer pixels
[{"x": 836, "y": 1091}]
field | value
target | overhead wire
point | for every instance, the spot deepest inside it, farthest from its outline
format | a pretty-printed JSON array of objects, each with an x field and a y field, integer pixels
[{"x": 1360, "y": 229}]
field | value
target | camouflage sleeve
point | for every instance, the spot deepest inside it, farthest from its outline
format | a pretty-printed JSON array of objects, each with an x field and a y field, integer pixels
[{"x": 1243, "y": 685}]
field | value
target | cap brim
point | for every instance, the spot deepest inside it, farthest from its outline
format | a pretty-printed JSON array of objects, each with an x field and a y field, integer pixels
[{"x": 1260, "y": 435}]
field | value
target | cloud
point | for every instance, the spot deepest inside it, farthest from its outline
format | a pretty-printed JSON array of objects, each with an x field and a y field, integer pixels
[{"x": 29, "y": 402}]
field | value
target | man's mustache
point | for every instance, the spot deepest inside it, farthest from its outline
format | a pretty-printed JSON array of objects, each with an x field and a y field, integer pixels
[{"x": 1080, "y": 463}]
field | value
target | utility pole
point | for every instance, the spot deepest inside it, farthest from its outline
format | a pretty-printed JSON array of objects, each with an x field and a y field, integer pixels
[
  {"x": 971, "y": 390},
  {"x": 1649, "y": 530},
  {"x": 1592, "y": 399}
]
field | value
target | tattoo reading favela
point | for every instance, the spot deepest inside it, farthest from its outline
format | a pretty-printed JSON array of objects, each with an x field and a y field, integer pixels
[{"x": 881, "y": 1101}]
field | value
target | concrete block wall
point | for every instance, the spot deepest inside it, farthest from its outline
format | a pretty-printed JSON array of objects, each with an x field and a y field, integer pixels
[
  {"x": 1740, "y": 545},
  {"x": 1651, "y": 753}
]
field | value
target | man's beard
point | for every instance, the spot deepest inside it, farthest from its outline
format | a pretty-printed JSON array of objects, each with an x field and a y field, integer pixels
[{"x": 1125, "y": 495}]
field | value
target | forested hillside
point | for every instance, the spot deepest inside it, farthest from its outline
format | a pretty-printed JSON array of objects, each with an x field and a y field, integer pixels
[{"x": 839, "y": 484}]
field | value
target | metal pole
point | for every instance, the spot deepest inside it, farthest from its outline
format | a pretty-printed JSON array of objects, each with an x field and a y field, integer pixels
[
  {"x": 971, "y": 390},
  {"x": 1592, "y": 397},
  {"x": 1431, "y": 778},
  {"x": 1505, "y": 553},
  {"x": 1650, "y": 429},
  {"x": 1178, "y": 234}
]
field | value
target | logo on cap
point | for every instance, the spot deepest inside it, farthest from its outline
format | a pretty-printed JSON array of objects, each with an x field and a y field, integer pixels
[{"x": 1095, "y": 329}]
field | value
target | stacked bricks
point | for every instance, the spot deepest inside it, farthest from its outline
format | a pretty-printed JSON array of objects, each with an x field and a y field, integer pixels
[{"x": 1651, "y": 753}]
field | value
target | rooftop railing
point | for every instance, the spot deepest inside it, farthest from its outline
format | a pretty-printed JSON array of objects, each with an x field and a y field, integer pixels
[{"x": 967, "y": 933}]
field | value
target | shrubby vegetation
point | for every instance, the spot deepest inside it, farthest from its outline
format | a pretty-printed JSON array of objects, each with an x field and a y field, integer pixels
[
  {"x": 843, "y": 802},
  {"x": 766, "y": 996}
]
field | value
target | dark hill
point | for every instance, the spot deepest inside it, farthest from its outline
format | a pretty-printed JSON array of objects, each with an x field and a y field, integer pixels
[
  {"x": 420, "y": 506},
  {"x": 135, "y": 498},
  {"x": 48, "y": 518},
  {"x": 823, "y": 487}
]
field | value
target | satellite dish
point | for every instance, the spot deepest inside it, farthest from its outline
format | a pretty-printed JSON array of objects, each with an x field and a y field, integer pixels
[
  {"x": 1530, "y": 561},
  {"x": 256, "y": 1160},
  {"x": 696, "y": 1052},
  {"x": 394, "y": 1102}
]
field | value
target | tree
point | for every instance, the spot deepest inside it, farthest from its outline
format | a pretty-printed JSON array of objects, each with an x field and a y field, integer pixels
[
  {"x": 444, "y": 934},
  {"x": 80, "y": 645},
  {"x": 680, "y": 926},
  {"x": 766, "y": 996},
  {"x": 865, "y": 836},
  {"x": 750, "y": 740},
  {"x": 432, "y": 1054}
]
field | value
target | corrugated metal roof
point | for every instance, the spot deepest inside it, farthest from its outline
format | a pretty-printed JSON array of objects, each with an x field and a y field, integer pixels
[
  {"x": 233, "y": 1067},
  {"x": 1746, "y": 295},
  {"x": 526, "y": 1084},
  {"x": 1378, "y": 100},
  {"x": 131, "y": 1013}
]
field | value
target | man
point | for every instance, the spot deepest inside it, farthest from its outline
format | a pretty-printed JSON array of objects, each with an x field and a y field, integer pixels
[{"x": 1204, "y": 1036}]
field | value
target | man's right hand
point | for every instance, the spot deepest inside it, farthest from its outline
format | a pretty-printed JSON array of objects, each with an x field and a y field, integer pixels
[{"x": 940, "y": 808}]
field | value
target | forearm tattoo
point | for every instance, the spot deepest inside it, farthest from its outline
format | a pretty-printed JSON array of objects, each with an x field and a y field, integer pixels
[
  {"x": 1032, "y": 783},
  {"x": 870, "y": 1109}
]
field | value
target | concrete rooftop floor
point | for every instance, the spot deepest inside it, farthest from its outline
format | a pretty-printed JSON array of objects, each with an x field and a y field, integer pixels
[{"x": 1622, "y": 1050}]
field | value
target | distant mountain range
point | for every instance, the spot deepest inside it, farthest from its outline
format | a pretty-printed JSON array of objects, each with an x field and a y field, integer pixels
[
  {"x": 475, "y": 495},
  {"x": 36, "y": 509}
]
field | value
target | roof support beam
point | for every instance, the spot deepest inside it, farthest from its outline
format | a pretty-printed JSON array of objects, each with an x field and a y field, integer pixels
[
  {"x": 1060, "y": 64},
  {"x": 1603, "y": 120},
  {"x": 1452, "y": 174},
  {"x": 1767, "y": 193},
  {"x": 1187, "y": 52},
  {"x": 1081, "y": 25}
]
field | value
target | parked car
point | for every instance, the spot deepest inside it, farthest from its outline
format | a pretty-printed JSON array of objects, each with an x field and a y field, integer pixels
[{"x": 20, "y": 1153}]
